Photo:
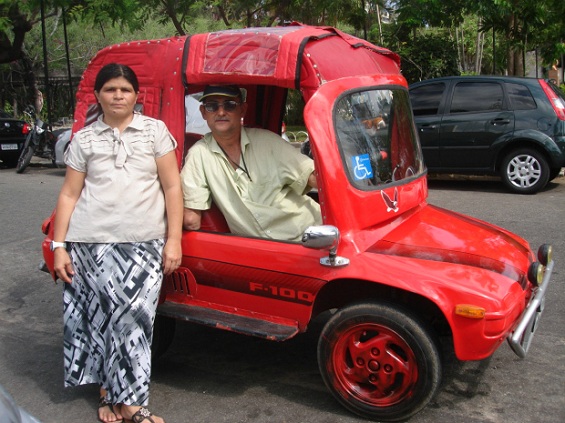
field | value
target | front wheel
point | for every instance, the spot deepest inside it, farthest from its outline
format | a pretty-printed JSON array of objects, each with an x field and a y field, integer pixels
[
  {"x": 379, "y": 361},
  {"x": 25, "y": 157},
  {"x": 525, "y": 171}
]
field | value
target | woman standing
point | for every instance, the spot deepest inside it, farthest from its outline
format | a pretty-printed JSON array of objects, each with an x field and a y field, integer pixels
[{"x": 118, "y": 229}]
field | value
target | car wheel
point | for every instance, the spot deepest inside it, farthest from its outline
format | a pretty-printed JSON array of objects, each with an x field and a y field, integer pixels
[
  {"x": 379, "y": 361},
  {"x": 163, "y": 335},
  {"x": 554, "y": 173},
  {"x": 525, "y": 171},
  {"x": 10, "y": 162}
]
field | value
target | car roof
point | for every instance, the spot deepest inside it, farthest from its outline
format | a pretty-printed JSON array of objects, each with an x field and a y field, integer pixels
[{"x": 506, "y": 78}]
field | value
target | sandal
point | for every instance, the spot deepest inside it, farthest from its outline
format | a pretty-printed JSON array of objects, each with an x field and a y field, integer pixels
[
  {"x": 103, "y": 402},
  {"x": 141, "y": 415}
]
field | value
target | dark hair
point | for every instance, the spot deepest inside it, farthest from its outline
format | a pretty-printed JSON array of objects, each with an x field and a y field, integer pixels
[{"x": 115, "y": 70}]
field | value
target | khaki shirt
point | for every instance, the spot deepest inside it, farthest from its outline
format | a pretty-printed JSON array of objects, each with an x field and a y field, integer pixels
[
  {"x": 270, "y": 202},
  {"x": 122, "y": 199}
]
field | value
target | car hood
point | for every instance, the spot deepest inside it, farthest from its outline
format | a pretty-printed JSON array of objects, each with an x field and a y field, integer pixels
[{"x": 432, "y": 233}]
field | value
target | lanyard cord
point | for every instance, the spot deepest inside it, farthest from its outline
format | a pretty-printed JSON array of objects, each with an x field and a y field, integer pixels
[{"x": 244, "y": 168}]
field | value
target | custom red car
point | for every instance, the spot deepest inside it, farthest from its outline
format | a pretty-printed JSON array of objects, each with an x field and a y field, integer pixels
[{"x": 395, "y": 273}]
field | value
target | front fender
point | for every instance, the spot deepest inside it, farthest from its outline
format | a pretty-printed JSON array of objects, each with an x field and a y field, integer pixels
[{"x": 448, "y": 285}]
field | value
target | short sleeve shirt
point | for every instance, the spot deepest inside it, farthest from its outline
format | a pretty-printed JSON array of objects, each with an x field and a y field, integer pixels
[
  {"x": 122, "y": 199},
  {"x": 265, "y": 197}
]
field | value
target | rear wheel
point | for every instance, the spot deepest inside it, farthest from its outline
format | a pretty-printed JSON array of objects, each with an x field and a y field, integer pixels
[
  {"x": 554, "y": 173},
  {"x": 379, "y": 361},
  {"x": 525, "y": 171}
]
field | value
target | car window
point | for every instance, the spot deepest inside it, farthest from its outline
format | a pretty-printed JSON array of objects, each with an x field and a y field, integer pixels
[
  {"x": 426, "y": 99},
  {"x": 520, "y": 97},
  {"x": 376, "y": 137},
  {"x": 4, "y": 115},
  {"x": 477, "y": 97}
]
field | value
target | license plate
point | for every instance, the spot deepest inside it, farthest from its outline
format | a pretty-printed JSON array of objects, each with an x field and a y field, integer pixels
[{"x": 9, "y": 146}]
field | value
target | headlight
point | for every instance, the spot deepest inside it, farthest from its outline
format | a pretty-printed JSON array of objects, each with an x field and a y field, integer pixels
[
  {"x": 535, "y": 273},
  {"x": 545, "y": 254}
]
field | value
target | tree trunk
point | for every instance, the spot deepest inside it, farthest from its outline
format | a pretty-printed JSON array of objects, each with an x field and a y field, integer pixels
[
  {"x": 463, "y": 58},
  {"x": 479, "y": 49}
]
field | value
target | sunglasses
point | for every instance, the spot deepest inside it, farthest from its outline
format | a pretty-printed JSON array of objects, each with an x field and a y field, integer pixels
[{"x": 214, "y": 106}]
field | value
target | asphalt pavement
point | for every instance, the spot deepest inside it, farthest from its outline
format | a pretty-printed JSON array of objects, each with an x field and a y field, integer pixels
[{"x": 211, "y": 376}]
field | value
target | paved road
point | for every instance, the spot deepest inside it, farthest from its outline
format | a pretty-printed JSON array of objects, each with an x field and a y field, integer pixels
[{"x": 214, "y": 376}]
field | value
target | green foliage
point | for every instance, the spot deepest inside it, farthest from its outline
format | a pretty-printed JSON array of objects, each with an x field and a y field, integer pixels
[
  {"x": 428, "y": 56},
  {"x": 294, "y": 108},
  {"x": 433, "y": 37}
]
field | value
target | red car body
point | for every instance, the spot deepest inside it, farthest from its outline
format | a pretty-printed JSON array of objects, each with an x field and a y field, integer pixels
[{"x": 395, "y": 272}]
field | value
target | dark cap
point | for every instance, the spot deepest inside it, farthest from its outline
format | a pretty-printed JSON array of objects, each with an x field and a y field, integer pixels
[{"x": 232, "y": 91}]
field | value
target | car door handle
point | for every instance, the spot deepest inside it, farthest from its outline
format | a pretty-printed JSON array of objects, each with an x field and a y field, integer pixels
[
  {"x": 427, "y": 128},
  {"x": 500, "y": 121}
]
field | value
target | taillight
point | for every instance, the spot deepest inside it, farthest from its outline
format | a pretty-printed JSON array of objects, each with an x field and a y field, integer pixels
[
  {"x": 26, "y": 129},
  {"x": 554, "y": 99}
]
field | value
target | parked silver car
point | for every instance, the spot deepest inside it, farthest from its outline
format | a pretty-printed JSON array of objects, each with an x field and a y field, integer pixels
[{"x": 63, "y": 140}]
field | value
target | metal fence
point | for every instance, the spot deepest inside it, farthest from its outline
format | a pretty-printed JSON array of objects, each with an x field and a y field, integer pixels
[{"x": 59, "y": 98}]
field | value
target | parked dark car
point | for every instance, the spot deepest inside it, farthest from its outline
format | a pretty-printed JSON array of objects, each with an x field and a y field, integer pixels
[
  {"x": 13, "y": 134},
  {"x": 492, "y": 125}
]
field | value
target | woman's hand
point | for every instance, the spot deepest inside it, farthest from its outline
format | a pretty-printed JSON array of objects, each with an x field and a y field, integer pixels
[
  {"x": 172, "y": 254},
  {"x": 62, "y": 265},
  {"x": 170, "y": 181}
]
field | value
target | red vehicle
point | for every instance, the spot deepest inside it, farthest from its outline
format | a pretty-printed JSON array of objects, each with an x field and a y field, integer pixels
[{"x": 395, "y": 273}]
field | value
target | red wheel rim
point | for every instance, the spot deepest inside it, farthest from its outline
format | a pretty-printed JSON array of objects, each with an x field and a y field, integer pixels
[{"x": 374, "y": 364}]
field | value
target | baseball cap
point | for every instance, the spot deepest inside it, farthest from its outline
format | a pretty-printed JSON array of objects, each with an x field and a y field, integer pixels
[{"x": 224, "y": 90}]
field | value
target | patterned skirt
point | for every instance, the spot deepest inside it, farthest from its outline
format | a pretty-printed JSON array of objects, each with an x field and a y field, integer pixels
[{"x": 109, "y": 311}]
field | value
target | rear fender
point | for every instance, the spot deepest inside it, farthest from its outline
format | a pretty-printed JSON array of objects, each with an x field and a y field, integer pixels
[{"x": 533, "y": 139}]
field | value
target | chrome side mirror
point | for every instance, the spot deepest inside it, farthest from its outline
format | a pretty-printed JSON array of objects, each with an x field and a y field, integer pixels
[{"x": 325, "y": 237}]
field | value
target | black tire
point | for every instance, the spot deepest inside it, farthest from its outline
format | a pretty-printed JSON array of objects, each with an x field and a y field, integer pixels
[
  {"x": 379, "y": 361},
  {"x": 163, "y": 335},
  {"x": 11, "y": 162},
  {"x": 25, "y": 156},
  {"x": 525, "y": 171},
  {"x": 554, "y": 173}
]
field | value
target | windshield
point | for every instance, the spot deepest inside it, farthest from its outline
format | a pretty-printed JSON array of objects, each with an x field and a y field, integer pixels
[{"x": 376, "y": 137}]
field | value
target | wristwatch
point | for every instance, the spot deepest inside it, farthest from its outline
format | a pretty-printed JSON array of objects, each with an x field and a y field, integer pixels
[{"x": 55, "y": 244}]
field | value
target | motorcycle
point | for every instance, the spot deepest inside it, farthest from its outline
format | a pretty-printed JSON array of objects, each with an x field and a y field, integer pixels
[{"x": 40, "y": 141}]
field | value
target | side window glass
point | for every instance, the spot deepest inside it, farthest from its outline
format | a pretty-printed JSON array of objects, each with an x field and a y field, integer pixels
[
  {"x": 520, "y": 97},
  {"x": 376, "y": 137},
  {"x": 426, "y": 99},
  {"x": 477, "y": 97},
  {"x": 194, "y": 122}
]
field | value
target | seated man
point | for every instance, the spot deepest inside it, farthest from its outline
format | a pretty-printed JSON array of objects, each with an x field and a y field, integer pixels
[{"x": 256, "y": 179}]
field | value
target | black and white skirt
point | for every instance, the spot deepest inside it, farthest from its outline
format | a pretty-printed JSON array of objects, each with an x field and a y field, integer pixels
[{"x": 109, "y": 311}]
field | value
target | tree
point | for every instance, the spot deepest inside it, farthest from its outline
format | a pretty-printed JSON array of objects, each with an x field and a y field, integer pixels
[{"x": 21, "y": 17}]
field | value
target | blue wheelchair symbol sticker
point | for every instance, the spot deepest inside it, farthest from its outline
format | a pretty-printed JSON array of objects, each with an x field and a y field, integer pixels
[{"x": 362, "y": 167}]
